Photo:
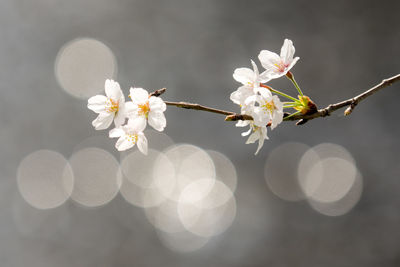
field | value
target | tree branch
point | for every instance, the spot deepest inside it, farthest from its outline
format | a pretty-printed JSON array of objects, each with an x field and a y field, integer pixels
[{"x": 232, "y": 116}]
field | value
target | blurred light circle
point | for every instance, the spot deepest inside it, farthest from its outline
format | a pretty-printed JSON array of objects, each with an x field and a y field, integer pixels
[
  {"x": 225, "y": 171},
  {"x": 182, "y": 241},
  {"x": 281, "y": 171},
  {"x": 309, "y": 183},
  {"x": 165, "y": 217},
  {"x": 334, "y": 177},
  {"x": 83, "y": 65},
  {"x": 330, "y": 150},
  {"x": 139, "y": 186},
  {"x": 190, "y": 163},
  {"x": 45, "y": 179},
  {"x": 206, "y": 208},
  {"x": 97, "y": 178},
  {"x": 157, "y": 141},
  {"x": 343, "y": 205}
]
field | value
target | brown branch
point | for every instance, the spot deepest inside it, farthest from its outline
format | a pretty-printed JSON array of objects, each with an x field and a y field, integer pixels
[
  {"x": 352, "y": 103},
  {"x": 232, "y": 116}
]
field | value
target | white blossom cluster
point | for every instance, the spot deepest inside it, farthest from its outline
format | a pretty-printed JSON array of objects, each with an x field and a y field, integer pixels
[
  {"x": 256, "y": 99},
  {"x": 142, "y": 109}
]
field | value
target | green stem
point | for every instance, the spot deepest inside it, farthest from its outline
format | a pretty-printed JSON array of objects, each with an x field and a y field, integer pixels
[
  {"x": 284, "y": 95},
  {"x": 297, "y": 112},
  {"x": 291, "y": 78}
]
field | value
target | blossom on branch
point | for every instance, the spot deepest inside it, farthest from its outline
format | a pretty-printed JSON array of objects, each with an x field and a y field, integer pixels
[
  {"x": 131, "y": 134},
  {"x": 110, "y": 107},
  {"x": 257, "y": 133},
  {"x": 251, "y": 80},
  {"x": 278, "y": 65},
  {"x": 266, "y": 108},
  {"x": 149, "y": 108}
]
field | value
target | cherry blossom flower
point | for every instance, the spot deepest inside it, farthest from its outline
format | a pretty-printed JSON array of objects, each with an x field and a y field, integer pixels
[
  {"x": 131, "y": 134},
  {"x": 110, "y": 107},
  {"x": 257, "y": 133},
  {"x": 150, "y": 108},
  {"x": 278, "y": 65},
  {"x": 265, "y": 108},
  {"x": 251, "y": 80}
]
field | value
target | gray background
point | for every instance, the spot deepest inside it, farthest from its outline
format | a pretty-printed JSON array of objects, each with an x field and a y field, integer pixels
[{"x": 192, "y": 48}]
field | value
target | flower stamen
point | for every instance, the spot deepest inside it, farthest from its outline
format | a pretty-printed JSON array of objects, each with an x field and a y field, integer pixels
[{"x": 112, "y": 106}]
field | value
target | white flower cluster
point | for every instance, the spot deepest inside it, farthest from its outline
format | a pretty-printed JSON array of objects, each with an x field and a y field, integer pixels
[
  {"x": 142, "y": 109},
  {"x": 256, "y": 99}
]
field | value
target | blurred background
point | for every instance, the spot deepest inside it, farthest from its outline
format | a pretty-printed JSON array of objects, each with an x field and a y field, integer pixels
[{"x": 322, "y": 194}]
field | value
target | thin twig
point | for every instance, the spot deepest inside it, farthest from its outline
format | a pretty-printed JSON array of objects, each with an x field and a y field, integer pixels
[
  {"x": 232, "y": 116},
  {"x": 352, "y": 102}
]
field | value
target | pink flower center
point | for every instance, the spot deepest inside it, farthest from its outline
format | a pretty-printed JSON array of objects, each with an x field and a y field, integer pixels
[{"x": 281, "y": 66}]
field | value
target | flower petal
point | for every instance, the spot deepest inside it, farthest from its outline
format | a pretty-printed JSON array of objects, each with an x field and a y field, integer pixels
[
  {"x": 137, "y": 125},
  {"x": 123, "y": 143},
  {"x": 138, "y": 95},
  {"x": 103, "y": 121},
  {"x": 116, "y": 132},
  {"x": 244, "y": 75},
  {"x": 157, "y": 120},
  {"x": 287, "y": 51},
  {"x": 97, "y": 103},
  {"x": 142, "y": 143},
  {"x": 157, "y": 104},
  {"x": 120, "y": 117},
  {"x": 268, "y": 59},
  {"x": 239, "y": 96},
  {"x": 113, "y": 90}
]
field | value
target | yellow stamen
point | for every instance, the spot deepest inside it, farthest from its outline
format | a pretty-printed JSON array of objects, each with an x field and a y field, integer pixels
[
  {"x": 132, "y": 138},
  {"x": 112, "y": 106},
  {"x": 144, "y": 109}
]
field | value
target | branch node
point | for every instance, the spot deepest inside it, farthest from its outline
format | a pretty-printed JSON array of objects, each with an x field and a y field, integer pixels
[{"x": 158, "y": 92}]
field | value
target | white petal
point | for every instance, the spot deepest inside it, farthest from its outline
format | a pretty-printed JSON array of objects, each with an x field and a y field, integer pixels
[
  {"x": 292, "y": 64},
  {"x": 103, "y": 121},
  {"x": 260, "y": 145},
  {"x": 131, "y": 110},
  {"x": 264, "y": 92},
  {"x": 157, "y": 120},
  {"x": 142, "y": 143},
  {"x": 97, "y": 103},
  {"x": 137, "y": 125},
  {"x": 244, "y": 75},
  {"x": 255, "y": 69},
  {"x": 138, "y": 95},
  {"x": 287, "y": 51},
  {"x": 123, "y": 144},
  {"x": 157, "y": 104},
  {"x": 242, "y": 123},
  {"x": 265, "y": 76},
  {"x": 239, "y": 96},
  {"x": 120, "y": 117},
  {"x": 248, "y": 132},
  {"x": 268, "y": 59},
  {"x": 113, "y": 90},
  {"x": 252, "y": 138},
  {"x": 116, "y": 132}
]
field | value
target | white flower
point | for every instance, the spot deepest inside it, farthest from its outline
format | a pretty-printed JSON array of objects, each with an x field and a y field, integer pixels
[
  {"x": 131, "y": 134},
  {"x": 257, "y": 133},
  {"x": 110, "y": 107},
  {"x": 149, "y": 108},
  {"x": 265, "y": 108},
  {"x": 275, "y": 65},
  {"x": 250, "y": 79}
]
